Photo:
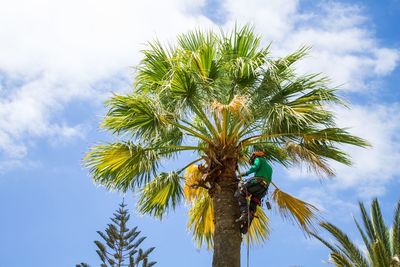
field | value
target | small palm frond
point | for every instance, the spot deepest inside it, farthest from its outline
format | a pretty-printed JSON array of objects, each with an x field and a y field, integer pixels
[
  {"x": 201, "y": 220},
  {"x": 380, "y": 256},
  {"x": 202, "y": 49},
  {"x": 138, "y": 115},
  {"x": 296, "y": 210},
  {"x": 259, "y": 228},
  {"x": 380, "y": 229},
  {"x": 193, "y": 177},
  {"x": 154, "y": 67},
  {"x": 301, "y": 154},
  {"x": 121, "y": 166},
  {"x": 242, "y": 50},
  {"x": 396, "y": 231},
  {"x": 161, "y": 194},
  {"x": 380, "y": 242},
  {"x": 336, "y": 256},
  {"x": 367, "y": 222},
  {"x": 346, "y": 245},
  {"x": 340, "y": 260},
  {"x": 333, "y": 134}
]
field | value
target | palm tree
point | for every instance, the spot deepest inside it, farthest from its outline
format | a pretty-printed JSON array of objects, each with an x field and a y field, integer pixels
[
  {"x": 219, "y": 97},
  {"x": 382, "y": 244}
]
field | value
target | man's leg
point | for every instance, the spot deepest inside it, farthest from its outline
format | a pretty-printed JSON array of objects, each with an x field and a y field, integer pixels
[{"x": 241, "y": 195}]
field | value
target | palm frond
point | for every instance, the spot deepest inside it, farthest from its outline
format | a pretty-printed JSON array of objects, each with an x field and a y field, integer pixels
[
  {"x": 296, "y": 210},
  {"x": 121, "y": 166},
  {"x": 367, "y": 222},
  {"x": 242, "y": 50},
  {"x": 259, "y": 228},
  {"x": 380, "y": 229},
  {"x": 365, "y": 238},
  {"x": 379, "y": 241},
  {"x": 138, "y": 115},
  {"x": 161, "y": 194},
  {"x": 202, "y": 51},
  {"x": 155, "y": 66},
  {"x": 340, "y": 260},
  {"x": 380, "y": 256},
  {"x": 201, "y": 221},
  {"x": 346, "y": 246},
  {"x": 396, "y": 231},
  {"x": 301, "y": 154},
  {"x": 333, "y": 135},
  {"x": 278, "y": 72}
]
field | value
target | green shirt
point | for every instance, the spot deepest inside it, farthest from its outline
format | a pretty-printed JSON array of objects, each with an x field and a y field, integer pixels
[{"x": 261, "y": 168}]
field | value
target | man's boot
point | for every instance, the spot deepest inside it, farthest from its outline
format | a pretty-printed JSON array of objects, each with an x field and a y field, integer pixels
[
  {"x": 244, "y": 227},
  {"x": 243, "y": 218}
]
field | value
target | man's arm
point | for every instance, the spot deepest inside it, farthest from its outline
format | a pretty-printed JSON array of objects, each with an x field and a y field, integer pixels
[{"x": 253, "y": 168}]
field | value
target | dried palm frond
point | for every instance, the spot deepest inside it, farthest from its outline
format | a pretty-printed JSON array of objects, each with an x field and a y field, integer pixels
[
  {"x": 296, "y": 210},
  {"x": 193, "y": 177},
  {"x": 301, "y": 154},
  {"x": 259, "y": 228},
  {"x": 237, "y": 106}
]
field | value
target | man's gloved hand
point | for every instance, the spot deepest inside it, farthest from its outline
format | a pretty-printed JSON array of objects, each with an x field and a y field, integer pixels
[{"x": 243, "y": 174}]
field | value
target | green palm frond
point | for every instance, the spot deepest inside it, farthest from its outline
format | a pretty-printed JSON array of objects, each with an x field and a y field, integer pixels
[
  {"x": 340, "y": 260},
  {"x": 136, "y": 114},
  {"x": 241, "y": 49},
  {"x": 380, "y": 257},
  {"x": 367, "y": 222},
  {"x": 346, "y": 246},
  {"x": 121, "y": 166},
  {"x": 296, "y": 210},
  {"x": 396, "y": 231},
  {"x": 380, "y": 229},
  {"x": 279, "y": 71},
  {"x": 333, "y": 135},
  {"x": 154, "y": 68},
  {"x": 162, "y": 193},
  {"x": 201, "y": 48},
  {"x": 379, "y": 241},
  {"x": 259, "y": 229}
]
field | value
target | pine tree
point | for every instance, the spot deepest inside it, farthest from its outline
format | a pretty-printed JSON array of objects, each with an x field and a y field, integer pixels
[{"x": 121, "y": 247}]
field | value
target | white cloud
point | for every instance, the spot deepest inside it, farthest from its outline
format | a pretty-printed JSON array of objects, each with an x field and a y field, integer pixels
[
  {"x": 344, "y": 47},
  {"x": 55, "y": 52},
  {"x": 376, "y": 166}
]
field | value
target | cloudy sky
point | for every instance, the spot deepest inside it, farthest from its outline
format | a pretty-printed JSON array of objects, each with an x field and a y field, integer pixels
[{"x": 59, "y": 60}]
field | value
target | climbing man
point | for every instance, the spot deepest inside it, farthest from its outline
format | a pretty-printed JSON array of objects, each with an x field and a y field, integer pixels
[{"x": 255, "y": 187}]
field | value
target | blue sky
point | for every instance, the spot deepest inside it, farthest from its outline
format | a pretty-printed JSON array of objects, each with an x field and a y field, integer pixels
[{"x": 60, "y": 60}]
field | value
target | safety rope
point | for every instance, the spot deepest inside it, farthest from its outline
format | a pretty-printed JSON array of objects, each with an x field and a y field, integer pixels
[{"x": 248, "y": 229}]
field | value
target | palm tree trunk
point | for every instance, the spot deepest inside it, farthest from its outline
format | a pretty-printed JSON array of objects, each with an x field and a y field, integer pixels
[{"x": 227, "y": 238}]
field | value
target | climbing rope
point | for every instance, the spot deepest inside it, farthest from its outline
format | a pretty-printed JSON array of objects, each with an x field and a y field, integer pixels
[{"x": 248, "y": 228}]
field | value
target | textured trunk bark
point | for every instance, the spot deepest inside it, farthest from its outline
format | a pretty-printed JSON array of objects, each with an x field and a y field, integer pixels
[{"x": 227, "y": 238}]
